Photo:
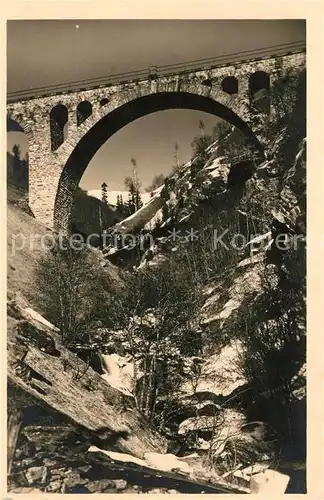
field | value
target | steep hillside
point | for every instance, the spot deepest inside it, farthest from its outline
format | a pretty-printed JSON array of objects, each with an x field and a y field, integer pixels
[
  {"x": 27, "y": 241},
  {"x": 24, "y": 244}
]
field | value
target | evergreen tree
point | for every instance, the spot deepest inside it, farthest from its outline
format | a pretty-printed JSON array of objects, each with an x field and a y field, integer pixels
[
  {"x": 120, "y": 205},
  {"x": 16, "y": 151},
  {"x": 138, "y": 200},
  {"x": 104, "y": 193},
  {"x": 131, "y": 203}
]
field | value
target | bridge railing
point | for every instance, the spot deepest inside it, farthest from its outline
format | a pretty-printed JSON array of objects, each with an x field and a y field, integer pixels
[{"x": 157, "y": 71}]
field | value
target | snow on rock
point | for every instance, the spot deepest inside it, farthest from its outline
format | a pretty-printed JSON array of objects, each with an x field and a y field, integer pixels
[
  {"x": 185, "y": 217},
  {"x": 220, "y": 373},
  {"x": 224, "y": 426},
  {"x": 38, "y": 317},
  {"x": 218, "y": 170},
  {"x": 247, "y": 472},
  {"x": 269, "y": 481},
  {"x": 227, "y": 310},
  {"x": 120, "y": 373},
  {"x": 253, "y": 259},
  {"x": 261, "y": 242},
  {"x": 112, "y": 195},
  {"x": 148, "y": 319},
  {"x": 243, "y": 285},
  {"x": 141, "y": 217},
  {"x": 157, "y": 217},
  {"x": 221, "y": 160},
  {"x": 166, "y": 462},
  {"x": 119, "y": 457}
]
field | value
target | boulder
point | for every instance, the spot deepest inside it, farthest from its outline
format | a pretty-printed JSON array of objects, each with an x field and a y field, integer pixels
[
  {"x": 100, "y": 485},
  {"x": 36, "y": 475},
  {"x": 54, "y": 486},
  {"x": 73, "y": 479},
  {"x": 120, "y": 484}
]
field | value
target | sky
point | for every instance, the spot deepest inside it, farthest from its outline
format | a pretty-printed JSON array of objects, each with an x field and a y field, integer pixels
[{"x": 44, "y": 52}]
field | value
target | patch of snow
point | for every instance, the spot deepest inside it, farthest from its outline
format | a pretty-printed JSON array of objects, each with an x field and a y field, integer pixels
[
  {"x": 111, "y": 251},
  {"x": 119, "y": 373},
  {"x": 220, "y": 372},
  {"x": 251, "y": 469},
  {"x": 269, "y": 481},
  {"x": 119, "y": 457},
  {"x": 243, "y": 285},
  {"x": 185, "y": 217},
  {"x": 157, "y": 217},
  {"x": 214, "y": 298},
  {"x": 142, "y": 216},
  {"x": 260, "y": 238},
  {"x": 38, "y": 317},
  {"x": 159, "y": 461},
  {"x": 216, "y": 163},
  {"x": 208, "y": 290},
  {"x": 224, "y": 428},
  {"x": 166, "y": 462}
]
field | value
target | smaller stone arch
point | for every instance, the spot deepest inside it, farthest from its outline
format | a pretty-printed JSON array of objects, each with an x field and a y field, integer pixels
[
  {"x": 104, "y": 101},
  {"x": 259, "y": 90},
  {"x": 230, "y": 85},
  {"x": 59, "y": 117},
  {"x": 84, "y": 110}
]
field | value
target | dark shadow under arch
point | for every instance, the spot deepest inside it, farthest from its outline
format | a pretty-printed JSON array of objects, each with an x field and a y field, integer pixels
[{"x": 118, "y": 118}]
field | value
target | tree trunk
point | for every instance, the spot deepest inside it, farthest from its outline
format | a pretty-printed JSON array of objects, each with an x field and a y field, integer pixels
[{"x": 14, "y": 423}]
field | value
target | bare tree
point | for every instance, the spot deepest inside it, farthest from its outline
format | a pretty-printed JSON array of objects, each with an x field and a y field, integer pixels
[{"x": 72, "y": 287}]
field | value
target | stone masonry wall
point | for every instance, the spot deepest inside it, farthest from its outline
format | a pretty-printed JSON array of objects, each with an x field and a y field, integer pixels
[{"x": 46, "y": 166}]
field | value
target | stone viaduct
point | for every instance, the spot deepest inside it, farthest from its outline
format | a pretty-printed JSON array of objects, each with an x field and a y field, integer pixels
[{"x": 65, "y": 128}]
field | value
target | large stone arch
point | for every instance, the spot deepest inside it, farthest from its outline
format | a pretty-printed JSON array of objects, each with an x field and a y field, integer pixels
[{"x": 110, "y": 123}]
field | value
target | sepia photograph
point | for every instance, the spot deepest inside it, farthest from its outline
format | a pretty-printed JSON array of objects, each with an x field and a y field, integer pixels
[{"x": 156, "y": 256}]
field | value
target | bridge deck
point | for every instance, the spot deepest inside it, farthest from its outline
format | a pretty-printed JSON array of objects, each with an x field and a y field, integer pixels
[{"x": 159, "y": 71}]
